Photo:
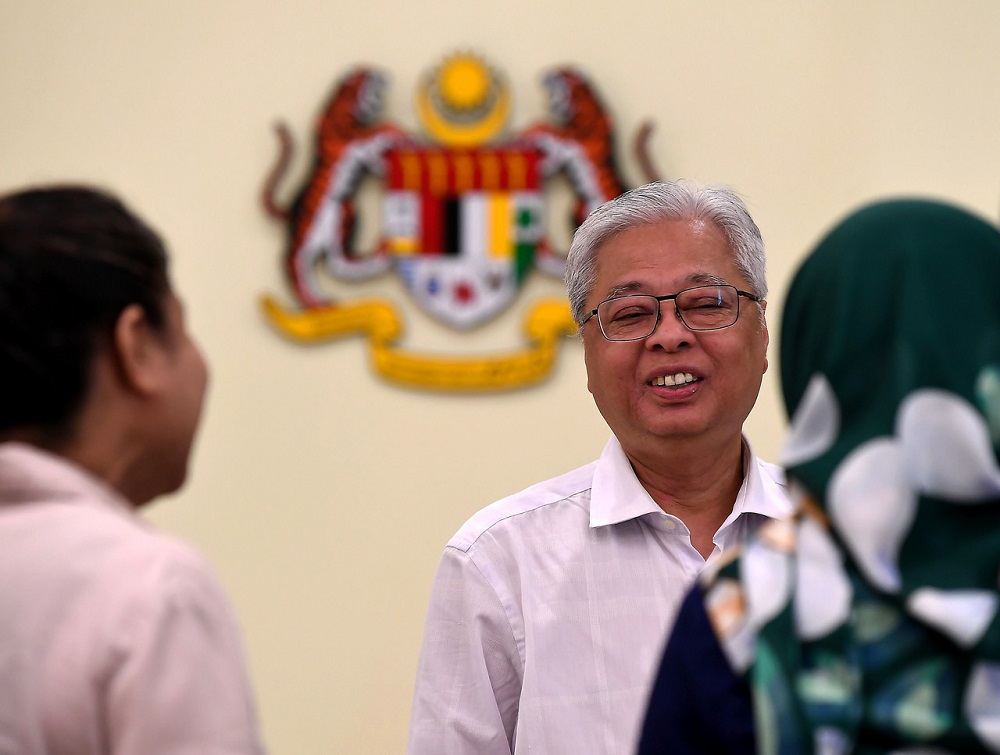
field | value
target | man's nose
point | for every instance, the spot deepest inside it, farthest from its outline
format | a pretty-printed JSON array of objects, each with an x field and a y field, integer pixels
[{"x": 670, "y": 331}]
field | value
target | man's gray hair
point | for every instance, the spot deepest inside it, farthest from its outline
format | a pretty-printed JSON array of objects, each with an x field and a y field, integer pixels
[{"x": 655, "y": 202}]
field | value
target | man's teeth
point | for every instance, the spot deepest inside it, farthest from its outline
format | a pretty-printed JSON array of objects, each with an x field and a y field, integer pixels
[{"x": 681, "y": 378}]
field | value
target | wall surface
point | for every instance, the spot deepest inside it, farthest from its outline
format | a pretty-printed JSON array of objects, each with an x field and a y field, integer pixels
[{"x": 323, "y": 495}]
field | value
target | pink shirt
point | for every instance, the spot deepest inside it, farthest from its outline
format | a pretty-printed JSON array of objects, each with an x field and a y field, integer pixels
[
  {"x": 114, "y": 638},
  {"x": 550, "y": 610}
]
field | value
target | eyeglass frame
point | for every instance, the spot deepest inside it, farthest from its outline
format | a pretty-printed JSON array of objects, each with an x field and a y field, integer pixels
[{"x": 659, "y": 310}]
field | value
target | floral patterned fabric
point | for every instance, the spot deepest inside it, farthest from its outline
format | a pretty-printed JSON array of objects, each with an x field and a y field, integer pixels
[{"x": 869, "y": 624}]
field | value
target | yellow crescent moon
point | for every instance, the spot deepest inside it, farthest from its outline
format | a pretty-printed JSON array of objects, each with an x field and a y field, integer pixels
[{"x": 462, "y": 135}]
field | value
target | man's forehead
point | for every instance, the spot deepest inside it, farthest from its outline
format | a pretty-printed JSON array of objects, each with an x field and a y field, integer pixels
[{"x": 653, "y": 239}]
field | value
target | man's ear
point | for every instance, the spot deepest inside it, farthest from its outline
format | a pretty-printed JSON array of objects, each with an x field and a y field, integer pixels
[
  {"x": 767, "y": 336},
  {"x": 137, "y": 349}
]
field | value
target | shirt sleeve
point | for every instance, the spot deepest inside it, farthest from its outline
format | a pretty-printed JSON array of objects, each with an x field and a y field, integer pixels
[
  {"x": 698, "y": 703},
  {"x": 470, "y": 669},
  {"x": 180, "y": 686}
]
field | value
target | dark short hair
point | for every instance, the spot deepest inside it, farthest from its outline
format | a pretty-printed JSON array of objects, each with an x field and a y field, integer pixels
[{"x": 71, "y": 259}]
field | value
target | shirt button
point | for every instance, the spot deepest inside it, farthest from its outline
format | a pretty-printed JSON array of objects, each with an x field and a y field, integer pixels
[{"x": 670, "y": 524}]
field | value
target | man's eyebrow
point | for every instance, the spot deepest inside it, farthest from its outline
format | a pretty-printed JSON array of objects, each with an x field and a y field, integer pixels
[
  {"x": 695, "y": 279},
  {"x": 623, "y": 289},
  {"x": 709, "y": 280}
]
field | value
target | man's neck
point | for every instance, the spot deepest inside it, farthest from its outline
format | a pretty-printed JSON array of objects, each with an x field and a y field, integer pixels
[{"x": 698, "y": 488}]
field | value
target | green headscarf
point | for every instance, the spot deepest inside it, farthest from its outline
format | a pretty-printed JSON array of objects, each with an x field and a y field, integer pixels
[{"x": 870, "y": 623}]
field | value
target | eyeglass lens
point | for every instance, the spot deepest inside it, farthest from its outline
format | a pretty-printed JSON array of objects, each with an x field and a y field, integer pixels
[{"x": 629, "y": 318}]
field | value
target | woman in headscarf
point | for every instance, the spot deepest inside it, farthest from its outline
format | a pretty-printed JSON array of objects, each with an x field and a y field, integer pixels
[{"x": 869, "y": 623}]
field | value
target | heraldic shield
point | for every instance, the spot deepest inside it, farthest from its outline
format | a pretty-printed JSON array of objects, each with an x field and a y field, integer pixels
[
  {"x": 462, "y": 216},
  {"x": 464, "y": 226}
]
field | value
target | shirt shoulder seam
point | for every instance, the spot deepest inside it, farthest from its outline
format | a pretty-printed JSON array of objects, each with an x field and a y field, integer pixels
[{"x": 466, "y": 545}]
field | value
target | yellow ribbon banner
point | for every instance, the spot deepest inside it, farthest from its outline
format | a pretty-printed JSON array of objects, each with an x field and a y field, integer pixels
[{"x": 378, "y": 319}]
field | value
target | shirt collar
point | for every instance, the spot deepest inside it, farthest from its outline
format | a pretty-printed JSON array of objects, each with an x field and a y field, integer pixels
[
  {"x": 617, "y": 495},
  {"x": 763, "y": 490}
]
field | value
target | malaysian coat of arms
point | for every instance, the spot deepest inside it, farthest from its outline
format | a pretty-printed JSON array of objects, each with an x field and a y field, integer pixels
[{"x": 462, "y": 216}]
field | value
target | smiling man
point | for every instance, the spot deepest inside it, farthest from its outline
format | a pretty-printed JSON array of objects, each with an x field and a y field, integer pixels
[{"x": 550, "y": 608}]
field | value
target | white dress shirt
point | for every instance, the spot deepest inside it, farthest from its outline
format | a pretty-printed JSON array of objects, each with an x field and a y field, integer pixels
[
  {"x": 550, "y": 609},
  {"x": 114, "y": 638}
]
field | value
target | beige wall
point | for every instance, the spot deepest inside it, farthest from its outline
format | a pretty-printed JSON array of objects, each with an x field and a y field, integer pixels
[{"x": 324, "y": 496}]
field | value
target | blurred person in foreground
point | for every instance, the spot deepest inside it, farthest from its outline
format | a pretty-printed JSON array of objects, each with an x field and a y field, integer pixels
[
  {"x": 550, "y": 608},
  {"x": 868, "y": 623},
  {"x": 114, "y": 638}
]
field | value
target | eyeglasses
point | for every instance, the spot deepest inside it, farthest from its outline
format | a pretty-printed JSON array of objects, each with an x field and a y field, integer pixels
[{"x": 634, "y": 317}]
